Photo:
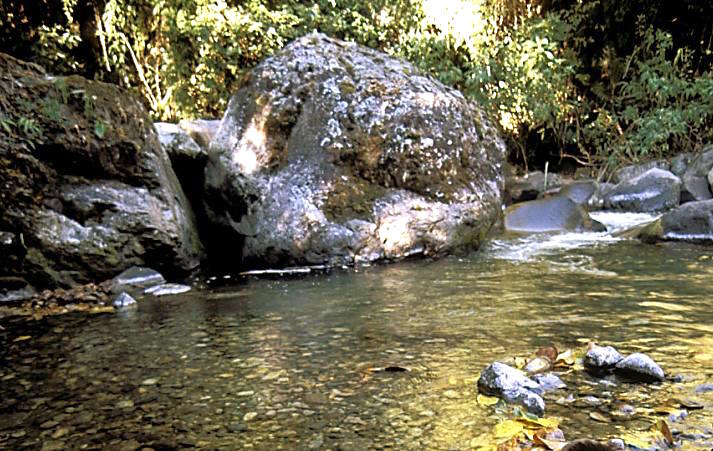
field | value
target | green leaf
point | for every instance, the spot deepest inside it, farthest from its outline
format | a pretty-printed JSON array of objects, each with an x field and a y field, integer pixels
[{"x": 99, "y": 129}]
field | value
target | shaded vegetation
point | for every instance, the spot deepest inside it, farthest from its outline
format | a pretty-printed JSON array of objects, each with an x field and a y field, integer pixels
[{"x": 590, "y": 82}]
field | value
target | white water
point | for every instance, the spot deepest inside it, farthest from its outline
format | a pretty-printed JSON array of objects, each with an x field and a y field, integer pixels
[{"x": 553, "y": 247}]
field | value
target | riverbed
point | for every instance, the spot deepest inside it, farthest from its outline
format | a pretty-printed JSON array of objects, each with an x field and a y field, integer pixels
[{"x": 298, "y": 362}]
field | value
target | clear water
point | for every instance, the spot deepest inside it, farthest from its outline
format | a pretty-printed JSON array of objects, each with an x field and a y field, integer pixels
[{"x": 288, "y": 363}]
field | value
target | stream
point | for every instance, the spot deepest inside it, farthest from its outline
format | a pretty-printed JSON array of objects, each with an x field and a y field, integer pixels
[{"x": 293, "y": 363}]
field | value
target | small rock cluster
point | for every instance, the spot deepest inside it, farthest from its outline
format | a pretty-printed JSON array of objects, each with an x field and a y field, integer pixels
[
  {"x": 526, "y": 387},
  {"x": 637, "y": 366}
]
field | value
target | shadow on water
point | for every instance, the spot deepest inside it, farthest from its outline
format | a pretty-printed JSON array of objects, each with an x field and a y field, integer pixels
[{"x": 290, "y": 363}]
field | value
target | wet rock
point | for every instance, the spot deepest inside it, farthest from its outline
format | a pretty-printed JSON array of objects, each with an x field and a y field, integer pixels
[
  {"x": 530, "y": 186},
  {"x": 692, "y": 221},
  {"x": 695, "y": 180},
  {"x": 332, "y": 153},
  {"x": 512, "y": 385},
  {"x": 178, "y": 143},
  {"x": 124, "y": 300},
  {"x": 93, "y": 193},
  {"x": 641, "y": 367},
  {"x": 634, "y": 171},
  {"x": 601, "y": 358},
  {"x": 580, "y": 192},
  {"x": 654, "y": 190},
  {"x": 548, "y": 382},
  {"x": 694, "y": 188},
  {"x": 167, "y": 289},
  {"x": 137, "y": 278},
  {"x": 680, "y": 163},
  {"x": 202, "y": 131},
  {"x": 704, "y": 388},
  {"x": 538, "y": 365},
  {"x": 554, "y": 214}
]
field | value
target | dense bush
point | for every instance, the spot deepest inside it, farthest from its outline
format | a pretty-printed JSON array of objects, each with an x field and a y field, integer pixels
[{"x": 565, "y": 79}]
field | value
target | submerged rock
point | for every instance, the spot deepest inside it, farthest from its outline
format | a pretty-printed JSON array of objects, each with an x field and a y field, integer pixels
[
  {"x": 554, "y": 214},
  {"x": 137, "y": 278},
  {"x": 548, "y": 382},
  {"x": 167, "y": 289},
  {"x": 124, "y": 300},
  {"x": 601, "y": 358},
  {"x": 512, "y": 385},
  {"x": 640, "y": 367},
  {"x": 654, "y": 190},
  {"x": 93, "y": 192},
  {"x": 332, "y": 153}
]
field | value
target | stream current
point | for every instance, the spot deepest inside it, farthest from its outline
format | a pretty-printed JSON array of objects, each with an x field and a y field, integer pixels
[{"x": 294, "y": 363}]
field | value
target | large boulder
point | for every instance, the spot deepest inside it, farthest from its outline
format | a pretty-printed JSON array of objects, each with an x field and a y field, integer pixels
[
  {"x": 552, "y": 214},
  {"x": 86, "y": 188},
  {"x": 335, "y": 153},
  {"x": 654, "y": 190},
  {"x": 692, "y": 221}
]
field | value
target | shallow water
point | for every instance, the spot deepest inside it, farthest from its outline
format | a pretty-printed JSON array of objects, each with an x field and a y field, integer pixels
[{"x": 288, "y": 363}]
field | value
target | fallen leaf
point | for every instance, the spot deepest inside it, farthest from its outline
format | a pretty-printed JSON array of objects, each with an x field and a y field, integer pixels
[
  {"x": 22, "y": 338},
  {"x": 507, "y": 429},
  {"x": 663, "y": 427},
  {"x": 565, "y": 358}
]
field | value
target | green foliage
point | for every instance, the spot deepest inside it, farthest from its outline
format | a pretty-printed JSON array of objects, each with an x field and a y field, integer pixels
[{"x": 563, "y": 78}]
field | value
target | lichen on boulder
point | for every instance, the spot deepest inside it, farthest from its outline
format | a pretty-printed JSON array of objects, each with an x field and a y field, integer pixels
[{"x": 334, "y": 153}]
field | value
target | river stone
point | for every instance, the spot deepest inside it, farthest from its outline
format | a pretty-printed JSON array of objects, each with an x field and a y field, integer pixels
[
  {"x": 641, "y": 367},
  {"x": 654, "y": 190},
  {"x": 695, "y": 179},
  {"x": 333, "y": 153},
  {"x": 601, "y": 358},
  {"x": 630, "y": 172},
  {"x": 548, "y": 382},
  {"x": 529, "y": 186},
  {"x": 692, "y": 221},
  {"x": 167, "y": 289},
  {"x": 136, "y": 278},
  {"x": 580, "y": 192},
  {"x": 512, "y": 385},
  {"x": 124, "y": 300},
  {"x": 553, "y": 214},
  {"x": 92, "y": 194}
]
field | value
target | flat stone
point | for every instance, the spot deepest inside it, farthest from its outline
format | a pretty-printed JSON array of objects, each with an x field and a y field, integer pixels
[
  {"x": 553, "y": 214},
  {"x": 136, "y": 278},
  {"x": 641, "y": 367},
  {"x": 704, "y": 388},
  {"x": 548, "y": 382}
]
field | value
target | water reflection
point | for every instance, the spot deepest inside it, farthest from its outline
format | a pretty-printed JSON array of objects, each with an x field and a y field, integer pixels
[{"x": 270, "y": 364}]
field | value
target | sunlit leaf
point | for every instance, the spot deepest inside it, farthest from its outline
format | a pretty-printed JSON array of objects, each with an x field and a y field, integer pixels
[
  {"x": 22, "y": 338},
  {"x": 507, "y": 430}
]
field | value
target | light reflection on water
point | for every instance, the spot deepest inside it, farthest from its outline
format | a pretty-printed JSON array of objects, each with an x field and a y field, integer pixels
[{"x": 284, "y": 363}]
